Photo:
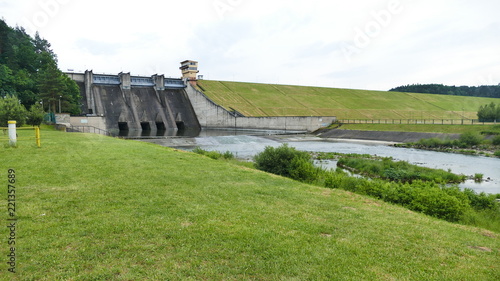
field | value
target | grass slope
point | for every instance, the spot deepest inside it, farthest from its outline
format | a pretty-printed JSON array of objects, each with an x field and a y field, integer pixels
[
  {"x": 97, "y": 208},
  {"x": 253, "y": 99}
]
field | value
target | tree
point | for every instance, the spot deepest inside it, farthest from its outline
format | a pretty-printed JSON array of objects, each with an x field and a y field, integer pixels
[
  {"x": 35, "y": 115},
  {"x": 28, "y": 70},
  {"x": 488, "y": 113},
  {"x": 11, "y": 109},
  {"x": 51, "y": 85}
]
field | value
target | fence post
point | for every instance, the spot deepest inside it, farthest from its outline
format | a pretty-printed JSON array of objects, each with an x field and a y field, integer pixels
[
  {"x": 37, "y": 136},
  {"x": 12, "y": 133}
]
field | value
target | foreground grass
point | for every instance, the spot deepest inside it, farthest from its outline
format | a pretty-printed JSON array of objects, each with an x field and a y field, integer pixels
[
  {"x": 254, "y": 99},
  {"x": 97, "y": 208}
]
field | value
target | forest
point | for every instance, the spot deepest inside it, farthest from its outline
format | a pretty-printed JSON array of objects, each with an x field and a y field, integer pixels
[
  {"x": 440, "y": 89},
  {"x": 29, "y": 73}
]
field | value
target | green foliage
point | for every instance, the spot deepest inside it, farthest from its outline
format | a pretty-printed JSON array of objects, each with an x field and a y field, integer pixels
[
  {"x": 497, "y": 153},
  {"x": 228, "y": 155},
  {"x": 11, "y": 109},
  {"x": 35, "y": 115},
  {"x": 470, "y": 139},
  {"x": 440, "y": 89},
  {"x": 286, "y": 161},
  {"x": 399, "y": 171},
  {"x": 28, "y": 69},
  {"x": 489, "y": 112},
  {"x": 478, "y": 177},
  {"x": 443, "y": 203},
  {"x": 496, "y": 140}
]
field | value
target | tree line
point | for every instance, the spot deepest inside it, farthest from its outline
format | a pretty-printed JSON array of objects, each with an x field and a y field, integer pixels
[
  {"x": 29, "y": 75},
  {"x": 440, "y": 89}
]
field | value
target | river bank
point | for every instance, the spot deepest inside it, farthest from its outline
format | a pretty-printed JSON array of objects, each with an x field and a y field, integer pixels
[{"x": 385, "y": 136}]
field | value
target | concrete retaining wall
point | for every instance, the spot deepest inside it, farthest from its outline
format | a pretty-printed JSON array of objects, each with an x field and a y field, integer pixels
[
  {"x": 384, "y": 136},
  {"x": 98, "y": 122},
  {"x": 211, "y": 115}
]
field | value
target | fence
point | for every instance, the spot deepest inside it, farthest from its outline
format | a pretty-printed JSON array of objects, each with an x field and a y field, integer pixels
[
  {"x": 415, "y": 121},
  {"x": 88, "y": 129},
  {"x": 36, "y": 137}
]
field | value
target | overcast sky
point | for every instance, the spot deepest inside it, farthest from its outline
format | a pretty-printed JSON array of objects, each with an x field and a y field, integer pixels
[{"x": 362, "y": 44}]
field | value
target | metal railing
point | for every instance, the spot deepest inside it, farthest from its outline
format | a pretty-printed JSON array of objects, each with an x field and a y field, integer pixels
[
  {"x": 88, "y": 129},
  {"x": 415, "y": 121}
]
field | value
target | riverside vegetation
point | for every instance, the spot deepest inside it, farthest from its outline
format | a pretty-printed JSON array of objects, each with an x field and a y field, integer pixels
[
  {"x": 92, "y": 207},
  {"x": 472, "y": 143},
  {"x": 418, "y": 189}
]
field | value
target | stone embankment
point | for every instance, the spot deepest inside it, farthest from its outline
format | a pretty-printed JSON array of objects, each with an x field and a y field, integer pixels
[{"x": 382, "y": 136}]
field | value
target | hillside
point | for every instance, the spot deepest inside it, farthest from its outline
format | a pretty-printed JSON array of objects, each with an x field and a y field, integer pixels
[
  {"x": 91, "y": 207},
  {"x": 254, "y": 99}
]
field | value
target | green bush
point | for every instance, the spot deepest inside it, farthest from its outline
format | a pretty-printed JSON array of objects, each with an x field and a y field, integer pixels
[
  {"x": 436, "y": 202},
  {"x": 11, "y": 109},
  {"x": 497, "y": 153},
  {"x": 470, "y": 138},
  {"x": 288, "y": 162},
  {"x": 496, "y": 140},
  {"x": 35, "y": 115}
]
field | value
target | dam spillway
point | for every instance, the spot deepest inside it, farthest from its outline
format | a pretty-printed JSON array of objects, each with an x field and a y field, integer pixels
[{"x": 123, "y": 102}]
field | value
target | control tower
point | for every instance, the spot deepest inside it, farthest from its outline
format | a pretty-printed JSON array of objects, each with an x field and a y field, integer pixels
[{"x": 189, "y": 69}]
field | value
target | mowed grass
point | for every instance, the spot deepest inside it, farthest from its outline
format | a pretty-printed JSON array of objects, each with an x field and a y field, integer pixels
[
  {"x": 253, "y": 99},
  {"x": 97, "y": 208}
]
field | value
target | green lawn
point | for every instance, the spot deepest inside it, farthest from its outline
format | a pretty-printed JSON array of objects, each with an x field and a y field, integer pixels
[
  {"x": 253, "y": 99},
  {"x": 97, "y": 208}
]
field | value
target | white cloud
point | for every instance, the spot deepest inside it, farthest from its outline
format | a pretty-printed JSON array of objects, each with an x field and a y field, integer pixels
[{"x": 291, "y": 42}]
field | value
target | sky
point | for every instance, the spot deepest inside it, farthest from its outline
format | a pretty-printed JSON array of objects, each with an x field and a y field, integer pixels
[{"x": 359, "y": 44}]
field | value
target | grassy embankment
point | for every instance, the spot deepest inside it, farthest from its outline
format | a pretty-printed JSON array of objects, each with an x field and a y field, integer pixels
[
  {"x": 97, "y": 208},
  {"x": 253, "y": 99}
]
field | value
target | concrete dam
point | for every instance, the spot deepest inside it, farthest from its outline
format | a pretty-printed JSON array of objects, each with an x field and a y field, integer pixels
[{"x": 122, "y": 102}]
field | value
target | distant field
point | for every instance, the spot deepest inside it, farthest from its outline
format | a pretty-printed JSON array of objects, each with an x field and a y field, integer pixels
[{"x": 254, "y": 99}]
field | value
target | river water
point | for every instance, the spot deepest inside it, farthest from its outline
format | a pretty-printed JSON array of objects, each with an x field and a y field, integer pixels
[{"x": 245, "y": 145}]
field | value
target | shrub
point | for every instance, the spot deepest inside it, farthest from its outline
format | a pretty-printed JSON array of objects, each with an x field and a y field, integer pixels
[
  {"x": 434, "y": 201},
  {"x": 286, "y": 161},
  {"x": 496, "y": 140},
  {"x": 497, "y": 153},
  {"x": 11, "y": 109},
  {"x": 35, "y": 115},
  {"x": 470, "y": 138}
]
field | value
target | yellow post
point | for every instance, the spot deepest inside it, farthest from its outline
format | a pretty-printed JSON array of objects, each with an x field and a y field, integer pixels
[{"x": 37, "y": 136}]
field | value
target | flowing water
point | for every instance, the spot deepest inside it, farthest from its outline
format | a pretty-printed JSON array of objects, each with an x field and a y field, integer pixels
[{"x": 245, "y": 146}]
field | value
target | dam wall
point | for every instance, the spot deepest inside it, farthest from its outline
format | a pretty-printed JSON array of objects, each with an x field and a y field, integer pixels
[
  {"x": 212, "y": 115},
  {"x": 125, "y": 102}
]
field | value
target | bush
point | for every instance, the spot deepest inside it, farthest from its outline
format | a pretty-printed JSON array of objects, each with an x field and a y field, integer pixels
[
  {"x": 470, "y": 138},
  {"x": 436, "y": 202},
  {"x": 497, "y": 153},
  {"x": 11, "y": 109},
  {"x": 496, "y": 140},
  {"x": 35, "y": 115},
  {"x": 288, "y": 162}
]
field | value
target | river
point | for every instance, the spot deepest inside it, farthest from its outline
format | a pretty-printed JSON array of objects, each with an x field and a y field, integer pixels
[{"x": 244, "y": 145}]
